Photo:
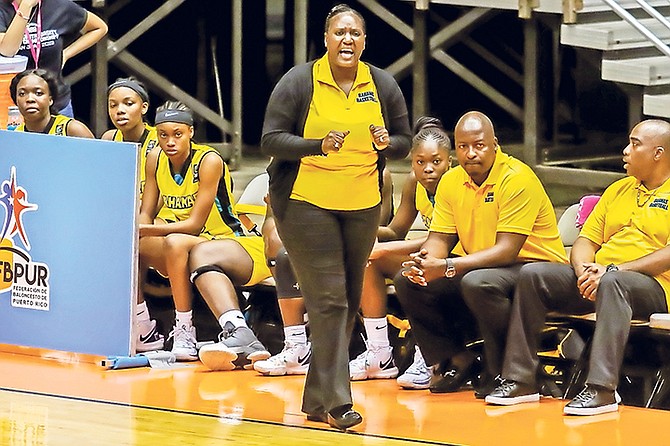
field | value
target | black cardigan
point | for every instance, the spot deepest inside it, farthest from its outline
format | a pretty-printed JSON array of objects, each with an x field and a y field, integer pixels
[{"x": 285, "y": 118}]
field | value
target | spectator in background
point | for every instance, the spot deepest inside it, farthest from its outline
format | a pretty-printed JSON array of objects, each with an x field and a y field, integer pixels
[{"x": 39, "y": 29}]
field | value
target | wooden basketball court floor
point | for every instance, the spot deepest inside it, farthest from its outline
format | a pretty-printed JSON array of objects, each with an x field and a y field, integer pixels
[{"x": 61, "y": 400}]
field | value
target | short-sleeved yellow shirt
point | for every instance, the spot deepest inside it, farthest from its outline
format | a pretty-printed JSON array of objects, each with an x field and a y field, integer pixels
[
  {"x": 629, "y": 222},
  {"x": 512, "y": 199},
  {"x": 347, "y": 180}
]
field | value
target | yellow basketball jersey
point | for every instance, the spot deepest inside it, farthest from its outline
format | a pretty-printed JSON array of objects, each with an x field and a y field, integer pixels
[
  {"x": 147, "y": 143},
  {"x": 424, "y": 203},
  {"x": 179, "y": 199},
  {"x": 57, "y": 126}
]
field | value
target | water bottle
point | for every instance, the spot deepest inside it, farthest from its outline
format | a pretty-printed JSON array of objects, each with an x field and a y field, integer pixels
[{"x": 14, "y": 118}]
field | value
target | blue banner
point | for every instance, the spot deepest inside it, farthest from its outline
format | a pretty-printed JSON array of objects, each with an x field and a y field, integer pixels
[{"x": 68, "y": 240}]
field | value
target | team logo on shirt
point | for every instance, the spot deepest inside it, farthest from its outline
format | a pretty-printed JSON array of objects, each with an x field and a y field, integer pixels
[
  {"x": 661, "y": 203},
  {"x": 489, "y": 197},
  {"x": 27, "y": 281},
  {"x": 366, "y": 96},
  {"x": 150, "y": 147},
  {"x": 179, "y": 201},
  {"x": 426, "y": 221},
  {"x": 196, "y": 172}
]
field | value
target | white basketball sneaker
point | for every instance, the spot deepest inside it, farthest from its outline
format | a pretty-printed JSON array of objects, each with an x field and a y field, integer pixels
[
  {"x": 294, "y": 359},
  {"x": 183, "y": 346},
  {"x": 148, "y": 337},
  {"x": 417, "y": 375},
  {"x": 374, "y": 363}
]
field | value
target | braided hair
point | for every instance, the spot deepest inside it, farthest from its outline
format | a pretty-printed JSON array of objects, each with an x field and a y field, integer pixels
[{"x": 429, "y": 128}]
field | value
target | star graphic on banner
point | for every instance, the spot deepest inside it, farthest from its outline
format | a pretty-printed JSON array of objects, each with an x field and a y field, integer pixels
[{"x": 14, "y": 199}]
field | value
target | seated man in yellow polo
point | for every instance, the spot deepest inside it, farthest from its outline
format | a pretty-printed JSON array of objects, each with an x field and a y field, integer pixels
[
  {"x": 491, "y": 217},
  {"x": 620, "y": 269}
]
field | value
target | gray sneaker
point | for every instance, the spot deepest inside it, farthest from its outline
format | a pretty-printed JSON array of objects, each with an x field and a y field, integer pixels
[{"x": 238, "y": 347}]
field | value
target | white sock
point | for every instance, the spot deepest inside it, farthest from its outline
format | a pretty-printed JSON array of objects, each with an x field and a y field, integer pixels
[
  {"x": 183, "y": 318},
  {"x": 376, "y": 329},
  {"x": 235, "y": 317},
  {"x": 142, "y": 313},
  {"x": 295, "y": 334}
]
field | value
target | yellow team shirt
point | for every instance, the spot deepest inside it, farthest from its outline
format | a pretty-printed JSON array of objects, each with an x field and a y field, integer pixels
[
  {"x": 179, "y": 199},
  {"x": 57, "y": 126},
  {"x": 424, "y": 203},
  {"x": 629, "y": 222},
  {"x": 511, "y": 199},
  {"x": 347, "y": 180}
]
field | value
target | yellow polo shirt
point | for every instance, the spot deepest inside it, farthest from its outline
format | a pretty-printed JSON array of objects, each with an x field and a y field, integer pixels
[
  {"x": 629, "y": 222},
  {"x": 347, "y": 180},
  {"x": 512, "y": 199}
]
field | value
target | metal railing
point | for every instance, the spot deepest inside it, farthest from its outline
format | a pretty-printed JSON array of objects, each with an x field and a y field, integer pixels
[{"x": 635, "y": 23}]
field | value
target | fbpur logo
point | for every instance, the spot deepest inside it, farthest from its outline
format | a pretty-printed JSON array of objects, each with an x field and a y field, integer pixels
[{"x": 26, "y": 280}]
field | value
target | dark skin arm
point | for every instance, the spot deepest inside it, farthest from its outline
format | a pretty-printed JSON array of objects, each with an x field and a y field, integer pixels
[
  {"x": 429, "y": 263},
  {"x": 582, "y": 258},
  {"x": 150, "y": 198},
  {"x": 211, "y": 170},
  {"x": 387, "y": 197},
  {"x": 404, "y": 217},
  {"x": 108, "y": 135},
  {"x": 78, "y": 129},
  {"x": 391, "y": 238}
]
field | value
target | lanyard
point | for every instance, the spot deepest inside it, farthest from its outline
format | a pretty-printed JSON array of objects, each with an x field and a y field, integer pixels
[{"x": 35, "y": 47}]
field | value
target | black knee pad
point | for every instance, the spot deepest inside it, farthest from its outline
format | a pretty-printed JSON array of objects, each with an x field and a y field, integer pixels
[
  {"x": 286, "y": 283},
  {"x": 199, "y": 271}
]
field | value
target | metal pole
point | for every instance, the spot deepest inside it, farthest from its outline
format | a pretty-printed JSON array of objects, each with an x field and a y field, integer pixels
[
  {"x": 99, "y": 85},
  {"x": 530, "y": 109},
  {"x": 526, "y": 8},
  {"x": 300, "y": 32},
  {"x": 237, "y": 84},
  {"x": 421, "y": 56},
  {"x": 217, "y": 81}
]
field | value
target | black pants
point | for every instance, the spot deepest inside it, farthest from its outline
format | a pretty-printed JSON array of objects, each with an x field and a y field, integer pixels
[
  {"x": 440, "y": 320},
  {"x": 488, "y": 292},
  {"x": 328, "y": 251},
  {"x": 544, "y": 287}
]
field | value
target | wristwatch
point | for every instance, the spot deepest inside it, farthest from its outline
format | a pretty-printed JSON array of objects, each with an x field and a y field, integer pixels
[
  {"x": 451, "y": 269},
  {"x": 611, "y": 267}
]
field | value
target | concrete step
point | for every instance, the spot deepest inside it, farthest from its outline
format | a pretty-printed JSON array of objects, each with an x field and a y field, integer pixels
[
  {"x": 612, "y": 35},
  {"x": 656, "y": 105},
  {"x": 647, "y": 71}
]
